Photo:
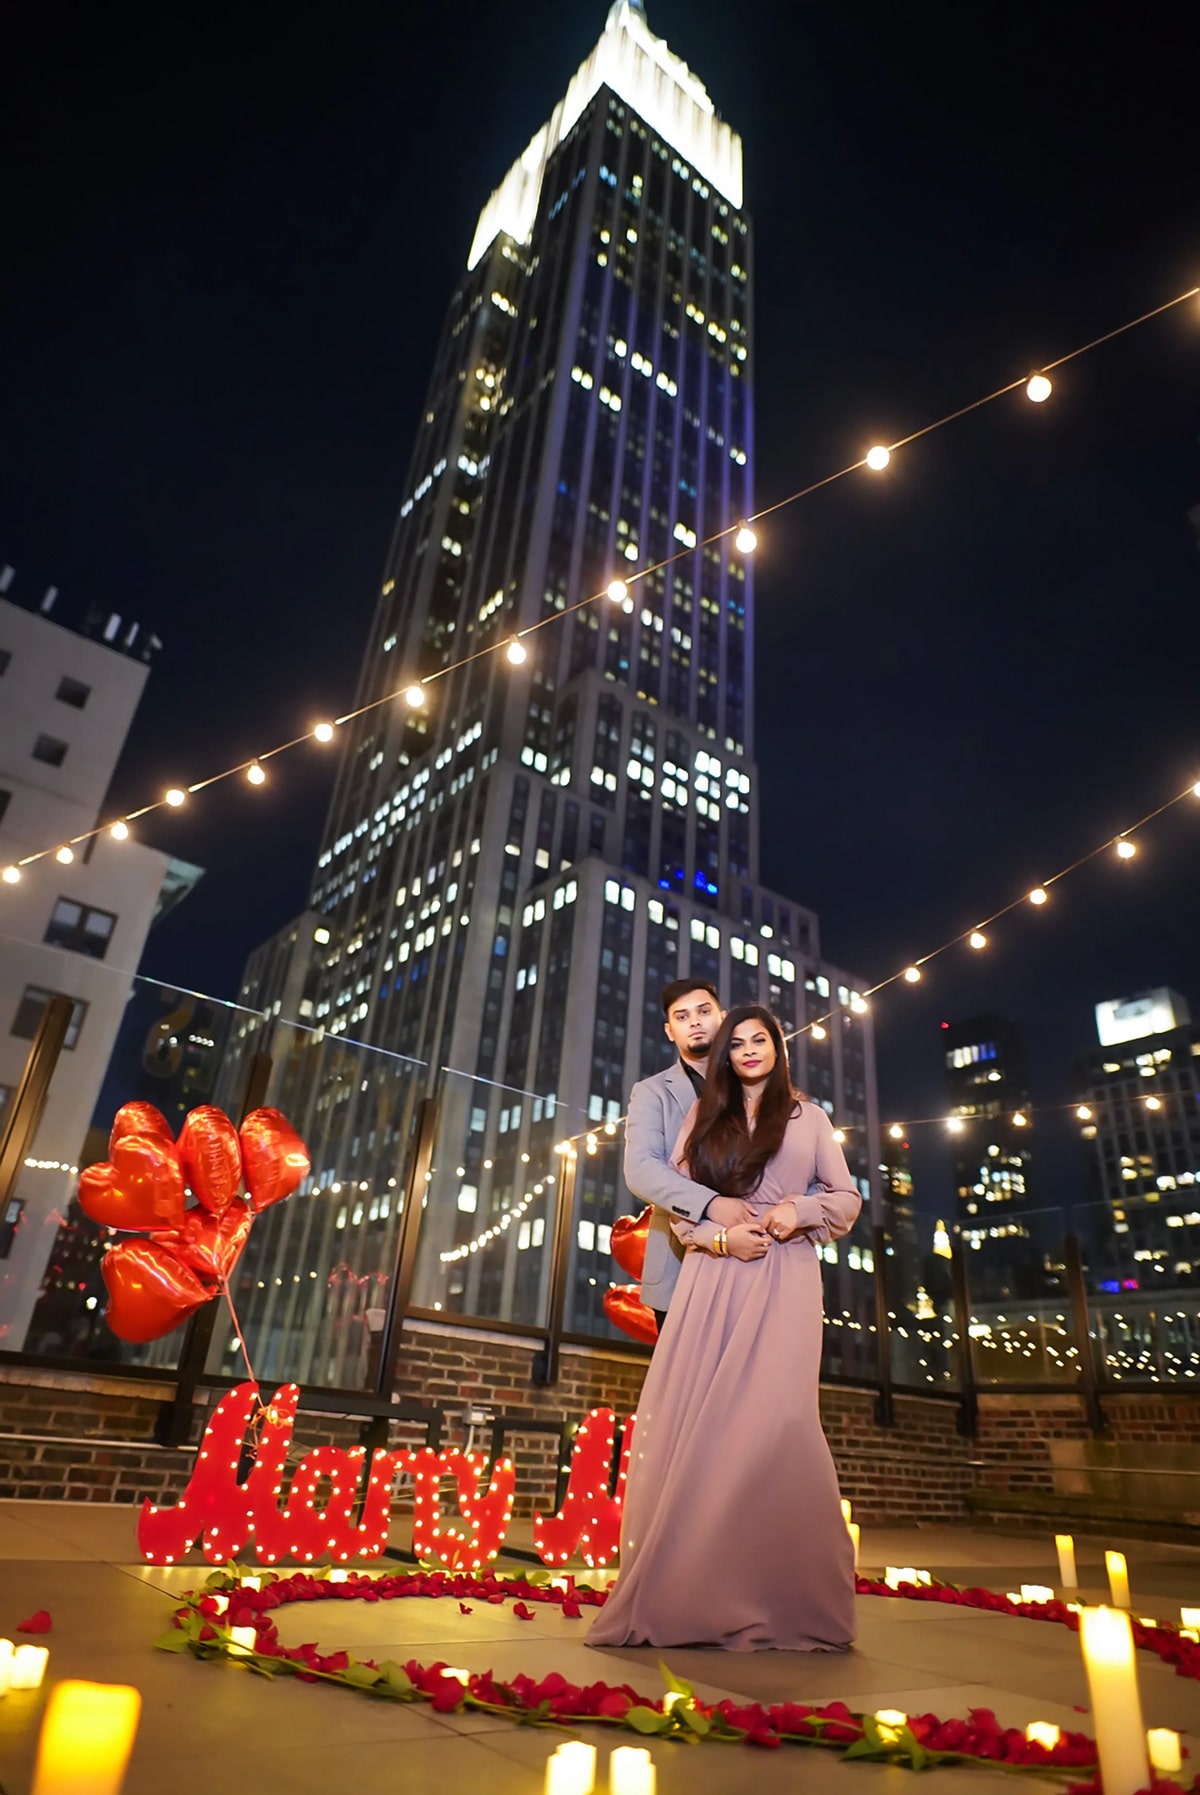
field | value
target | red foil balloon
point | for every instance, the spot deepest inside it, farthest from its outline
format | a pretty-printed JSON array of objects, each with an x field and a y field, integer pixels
[
  {"x": 149, "y": 1291},
  {"x": 210, "y": 1244},
  {"x": 625, "y": 1309},
  {"x": 212, "y": 1158},
  {"x": 139, "y": 1118},
  {"x": 275, "y": 1158},
  {"x": 141, "y": 1188},
  {"x": 628, "y": 1245}
]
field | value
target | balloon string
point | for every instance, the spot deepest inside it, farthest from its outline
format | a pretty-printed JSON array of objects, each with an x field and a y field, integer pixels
[{"x": 237, "y": 1328}]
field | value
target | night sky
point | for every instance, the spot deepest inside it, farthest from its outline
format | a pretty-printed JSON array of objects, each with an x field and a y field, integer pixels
[{"x": 229, "y": 236}]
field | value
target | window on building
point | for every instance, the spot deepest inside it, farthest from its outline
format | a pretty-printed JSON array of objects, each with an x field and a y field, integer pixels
[
  {"x": 49, "y": 749},
  {"x": 80, "y": 928},
  {"x": 29, "y": 1014},
  {"x": 73, "y": 692}
]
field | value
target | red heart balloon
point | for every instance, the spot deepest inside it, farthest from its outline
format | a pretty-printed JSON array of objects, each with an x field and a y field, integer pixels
[
  {"x": 628, "y": 1244},
  {"x": 141, "y": 1188},
  {"x": 625, "y": 1309},
  {"x": 139, "y": 1118},
  {"x": 275, "y": 1158},
  {"x": 149, "y": 1291},
  {"x": 210, "y": 1245},
  {"x": 212, "y": 1158}
]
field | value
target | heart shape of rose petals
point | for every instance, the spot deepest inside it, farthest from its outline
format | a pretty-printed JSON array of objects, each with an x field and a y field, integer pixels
[
  {"x": 142, "y": 1187},
  {"x": 150, "y": 1291},
  {"x": 274, "y": 1157},
  {"x": 211, "y": 1157}
]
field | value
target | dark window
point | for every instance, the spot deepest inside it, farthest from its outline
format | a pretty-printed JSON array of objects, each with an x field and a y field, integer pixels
[
  {"x": 73, "y": 692},
  {"x": 83, "y": 930},
  {"x": 4, "y": 800},
  {"x": 5, "y": 658},
  {"x": 29, "y": 1014},
  {"x": 50, "y": 749}
]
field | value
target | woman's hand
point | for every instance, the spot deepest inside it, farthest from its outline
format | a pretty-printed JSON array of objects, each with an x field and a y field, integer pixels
[
  {"x": 727, "y": 1212},
  {"x": 747, "y": 1240},
  {"x": 780, "y": 1222}
]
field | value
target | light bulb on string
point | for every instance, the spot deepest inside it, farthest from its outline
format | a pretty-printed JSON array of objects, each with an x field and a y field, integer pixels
[
  {"x": 65, "y": 856},
  {"x": 977, "y": 939},
  {"x": 1125, "y": 849},
  {"x": 255, "y": 774},
  {"x": 323, "y": 732},
  {"x": 1196, "y": 789},
  {"x": 11, "y": 875},
  {"x": 1019, "y": 1120},
  {"x": 120, "y": 831},
  {"x": 817, "y": 1032},
  {"x": 414, "y": 697},
  {"x": 878, "y": 458},
  {"x": 1039, "y": 896},
  {"x": 1083, "y": 1113},
  {"x": 1154, "y": 1103},
  {"x": 745, "y": 542},
  {"x": 896, "y": 1131},
  {"x": 954, "y": 1124},
  {"x": 176, "y": 797},
  {"x": 1038, "y": 388},
  {"x": 618, "y": 591},
  {"x": 839, "y": 1135},
  {"x": 912, "y": 975},
  {"x": 517, "y": 652}
]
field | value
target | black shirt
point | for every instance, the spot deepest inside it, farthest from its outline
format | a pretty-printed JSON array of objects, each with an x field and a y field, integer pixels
[{"x": 697, "y": 1078}]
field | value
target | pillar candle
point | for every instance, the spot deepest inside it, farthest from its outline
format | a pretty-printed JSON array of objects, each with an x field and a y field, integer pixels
[
  {"x": 28, "y": 1667},
  {"x": 1042, "y": 1732},
  {"x": 847, "y": 1510},
  {"x": 1163, "y": 1746},
  {"x": 1065, "y": 1546},
  {"x": 338, "y": 1576},
  {"x": 891, "y": 1723},
  {"x": 6, "y": 1658},
  {"x": 855, "y": 1532},
  {"x": 1107, "y": 1640},
  {"x": 251, "y": 1582},
  {"x": 86, "y": 1739},
  {"x": 242, "y": 1641},
  {"x": 1036, "y": 1592},
  {"x": 631, "y": 1771},
  {"x": 1118, "y": 1578},
  {"x": 1188, "y": 1617},
  {"x": 571, "y": 1770}
]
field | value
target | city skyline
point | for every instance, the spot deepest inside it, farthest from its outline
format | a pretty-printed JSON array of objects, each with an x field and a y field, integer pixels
[{"x": 931, "y": 244}]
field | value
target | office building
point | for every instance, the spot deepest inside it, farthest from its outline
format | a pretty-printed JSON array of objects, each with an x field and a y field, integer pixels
[{"x": 990, "y": 1127}]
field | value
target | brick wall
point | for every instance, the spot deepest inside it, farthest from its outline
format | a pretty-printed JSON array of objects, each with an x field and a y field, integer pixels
[{"x": 1016, "y": 1432}]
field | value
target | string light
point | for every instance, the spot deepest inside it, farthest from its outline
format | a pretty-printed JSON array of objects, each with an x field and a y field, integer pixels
[
  {"x": 896, "y": 1131},
  {"x": 1039, "y": 896},
  {"x": 1020, "y": 1120},
  {"x": 912, "y": 975},
  {"x": 877, "y": 458},
  {"x": 65, "y": 856},
  {"x": 978, "y": 940},
  {"x": 818, "y": 1033},
  {"x": 1083, "y": 1113},
  {"x": 1038, "y": 389},
  {"x": 120, "y": 832},
  {"x": 11, "y": 875},
  {"x": 745, "y": 542},
  {"x": 516, "y": 652},
  {"x": 1125, "y": 849},
  {"x": 955, "y": 1124},
  {"x": 255, "y": 774},
  {"x": 1154, "y": 1103}
]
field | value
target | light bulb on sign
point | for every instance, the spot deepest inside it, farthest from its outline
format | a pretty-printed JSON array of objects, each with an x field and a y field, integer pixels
[
  {"x": 516, "y": 652},
  {"x": 1039, "y": 389},
  {"x": 323, "y": 732},
  {"x": 745, "y": 542},
  {"x": 878, "y": 458}
]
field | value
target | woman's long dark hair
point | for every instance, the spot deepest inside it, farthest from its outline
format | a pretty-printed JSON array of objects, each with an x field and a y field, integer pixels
[{"x": 721, "y": 1152}]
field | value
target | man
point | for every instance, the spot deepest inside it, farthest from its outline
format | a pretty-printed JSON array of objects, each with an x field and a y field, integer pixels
[{"x": 657, "y": 1107}]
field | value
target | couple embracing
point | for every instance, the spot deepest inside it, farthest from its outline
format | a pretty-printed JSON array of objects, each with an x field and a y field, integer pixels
[{"x": 732, "y": 1534}]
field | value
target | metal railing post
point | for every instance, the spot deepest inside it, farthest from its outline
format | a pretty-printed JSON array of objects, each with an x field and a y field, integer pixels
[
  {"x": 1089, "y": 1373},
  {"x": 885, "y": 1406},
  {"x": 545, "y": 1365},
  {"x": 19, "y": 1130},
  {"x": 968, "y": 1411}
]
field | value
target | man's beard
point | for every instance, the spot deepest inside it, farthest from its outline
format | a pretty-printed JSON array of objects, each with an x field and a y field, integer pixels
[{"x": 697, "y": 1052}]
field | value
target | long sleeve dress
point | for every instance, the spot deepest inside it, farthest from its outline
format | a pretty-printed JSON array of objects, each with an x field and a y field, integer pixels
[{"x": 731, "y": 1533}]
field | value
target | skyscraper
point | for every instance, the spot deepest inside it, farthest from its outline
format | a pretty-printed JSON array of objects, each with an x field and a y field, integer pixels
[
  {"x": 987, "y": 1082},
  {"x": 515, "y": 865}
]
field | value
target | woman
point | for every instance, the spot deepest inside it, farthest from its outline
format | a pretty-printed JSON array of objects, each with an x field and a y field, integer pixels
[{"x": 731, "y": 1532}]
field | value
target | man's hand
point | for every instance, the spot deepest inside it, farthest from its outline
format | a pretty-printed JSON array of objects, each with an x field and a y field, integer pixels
[
  {"x": 780, "y": 1222},
  {"x": 727, "y": 1212},
  {"x": 747, "y": 1240}
]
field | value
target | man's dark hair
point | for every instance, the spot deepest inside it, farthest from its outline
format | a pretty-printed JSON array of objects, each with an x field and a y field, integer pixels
[{"x": 680, "y": 987}]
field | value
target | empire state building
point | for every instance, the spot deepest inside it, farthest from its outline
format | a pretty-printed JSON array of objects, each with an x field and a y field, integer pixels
[{"x": 514, "y": 868}]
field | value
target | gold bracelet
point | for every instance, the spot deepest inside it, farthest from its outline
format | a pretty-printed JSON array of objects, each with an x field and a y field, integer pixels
[{"x": 721, "y": 1243}]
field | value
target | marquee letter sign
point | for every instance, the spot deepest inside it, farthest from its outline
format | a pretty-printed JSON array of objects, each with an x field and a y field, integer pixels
[{"x": 226, "y": 1514}]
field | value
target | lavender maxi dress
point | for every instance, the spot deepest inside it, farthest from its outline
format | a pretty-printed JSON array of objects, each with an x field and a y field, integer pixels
[{"x": 731, "y": 1533}]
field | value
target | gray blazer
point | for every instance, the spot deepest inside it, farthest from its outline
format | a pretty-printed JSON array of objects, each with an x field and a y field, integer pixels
[{"x": 657, "y": 1109}]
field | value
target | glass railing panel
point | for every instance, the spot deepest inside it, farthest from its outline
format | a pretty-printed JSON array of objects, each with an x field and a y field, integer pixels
[{"x": 1021, "y": 1326}]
